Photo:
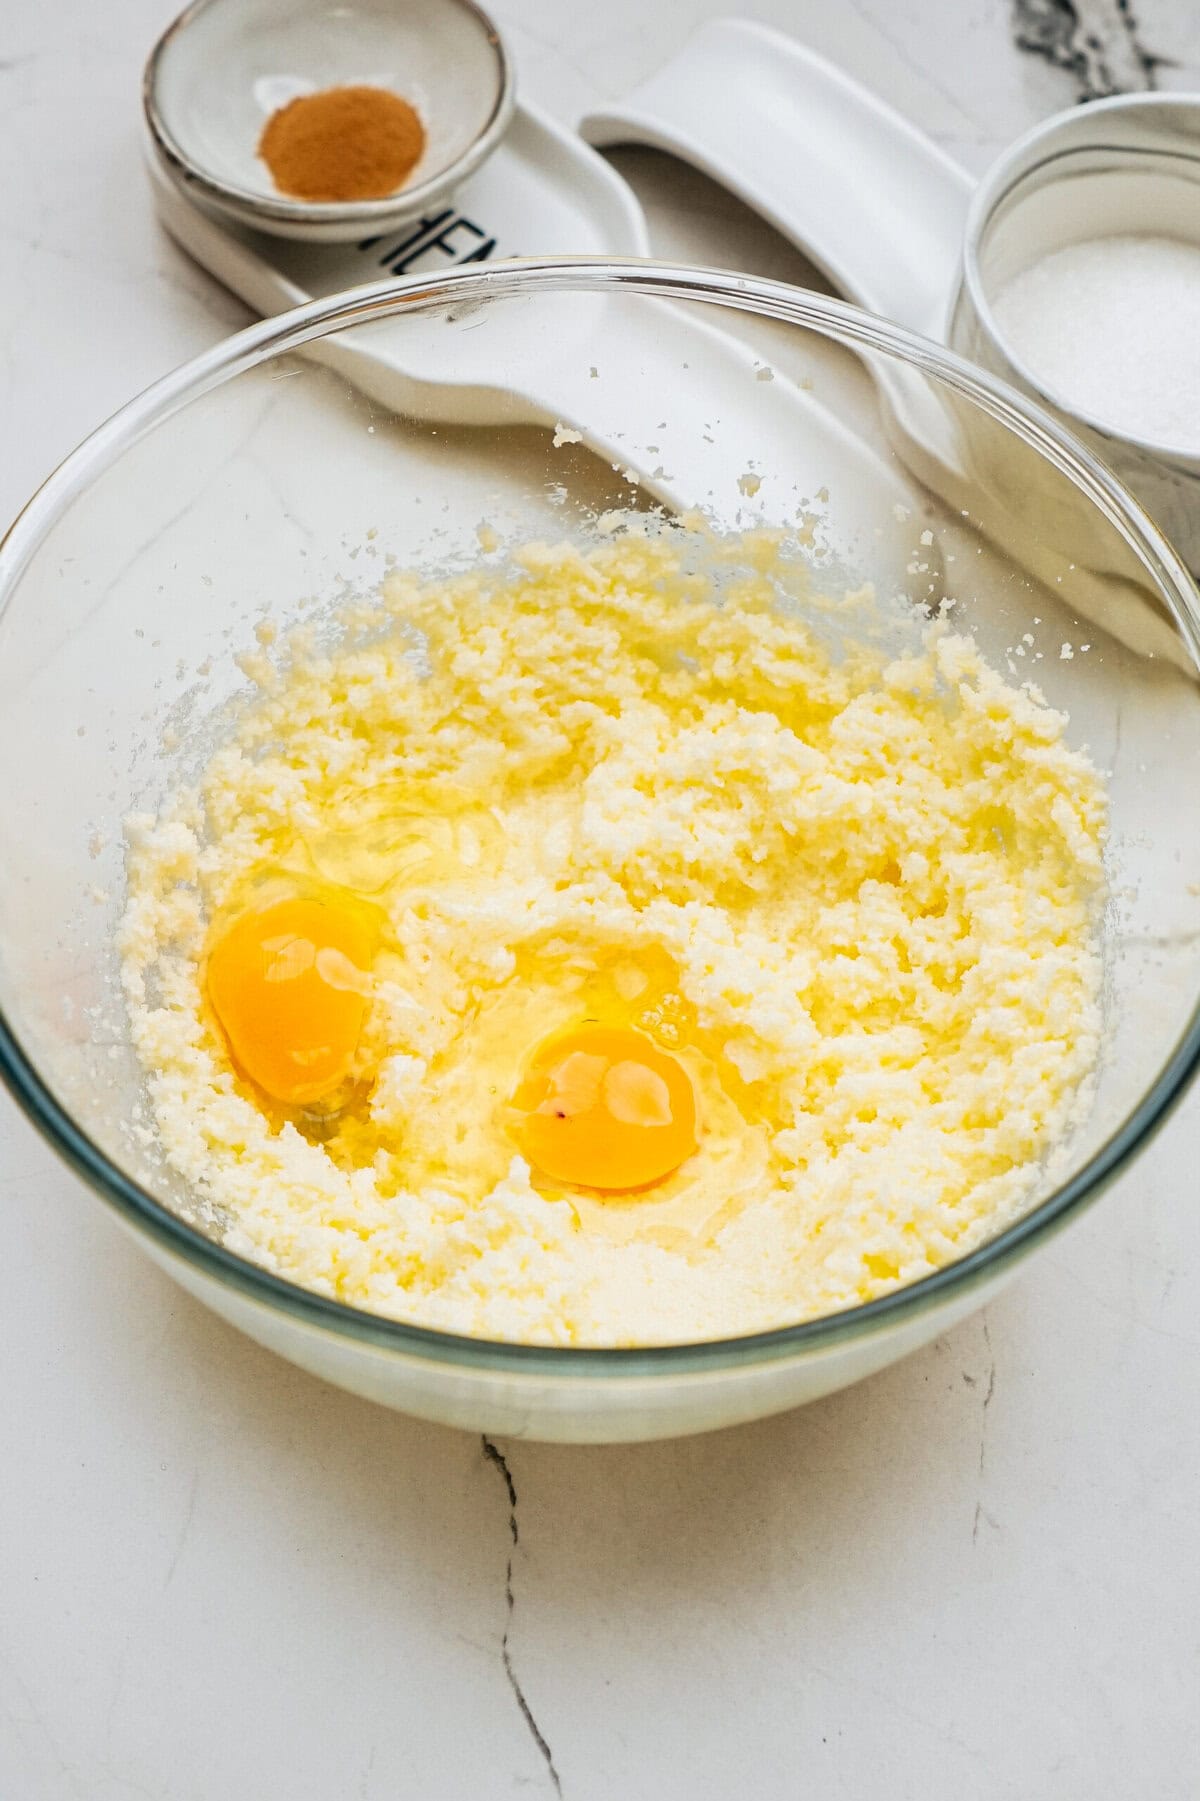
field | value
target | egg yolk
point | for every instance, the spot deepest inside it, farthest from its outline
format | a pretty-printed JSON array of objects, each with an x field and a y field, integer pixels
[
  {"x": 288, "y": 983},
  {"x": 604, "y": 1107}
]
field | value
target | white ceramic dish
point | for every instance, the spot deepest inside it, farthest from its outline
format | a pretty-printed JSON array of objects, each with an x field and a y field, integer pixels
[
  {"x": 895, "y": 224},
  {"x": 545, "y": 191},
  {"x": 224, "y": 66}
]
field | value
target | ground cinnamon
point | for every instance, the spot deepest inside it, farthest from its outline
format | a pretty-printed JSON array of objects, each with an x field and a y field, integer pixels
[{"x": 351, "y": 143}]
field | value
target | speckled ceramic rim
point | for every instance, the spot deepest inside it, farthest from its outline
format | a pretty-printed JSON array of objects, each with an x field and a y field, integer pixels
[
  {"x": 369, "y": 214},
  {"x": 528, "y": 277}
]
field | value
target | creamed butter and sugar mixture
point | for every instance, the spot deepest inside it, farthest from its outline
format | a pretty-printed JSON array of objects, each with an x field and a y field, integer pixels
[{"x": 672, "y": 978}]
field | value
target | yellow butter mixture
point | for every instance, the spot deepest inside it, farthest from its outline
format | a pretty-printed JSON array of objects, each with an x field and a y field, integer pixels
[{"x": 603, "y": 951}]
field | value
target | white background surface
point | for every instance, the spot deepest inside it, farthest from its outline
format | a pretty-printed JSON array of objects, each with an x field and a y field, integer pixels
[{"x": 974, "y": 1576}]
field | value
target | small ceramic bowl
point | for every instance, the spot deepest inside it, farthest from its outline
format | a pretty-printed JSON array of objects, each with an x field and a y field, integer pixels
[
  {"x": 218, "y": 73},
  {"x": 1122, "y": 166}
]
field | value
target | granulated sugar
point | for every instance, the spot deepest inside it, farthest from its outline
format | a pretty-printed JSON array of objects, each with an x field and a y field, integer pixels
[{"x": 1112, "y": 326}]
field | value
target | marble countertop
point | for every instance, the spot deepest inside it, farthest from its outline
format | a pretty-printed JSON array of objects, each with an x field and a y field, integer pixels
[{"x": 975, "y": 1575}]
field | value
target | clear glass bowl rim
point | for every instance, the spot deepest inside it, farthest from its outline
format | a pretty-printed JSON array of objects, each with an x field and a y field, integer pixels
[{"x": 829, "y": 318}]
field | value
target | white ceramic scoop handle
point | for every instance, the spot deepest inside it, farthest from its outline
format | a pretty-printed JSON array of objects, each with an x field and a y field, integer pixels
[{"x": 871, "y": 200}]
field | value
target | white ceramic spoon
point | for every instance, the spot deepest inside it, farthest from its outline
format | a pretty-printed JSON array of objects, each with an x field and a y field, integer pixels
[
  {"x": 876, "y": 205},
  {"x": 870, "y": 199},
  {"x": 544, "y": 190}
]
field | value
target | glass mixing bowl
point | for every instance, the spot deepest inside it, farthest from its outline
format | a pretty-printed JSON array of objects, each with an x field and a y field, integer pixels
[{"x": 288, "y": 462}]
